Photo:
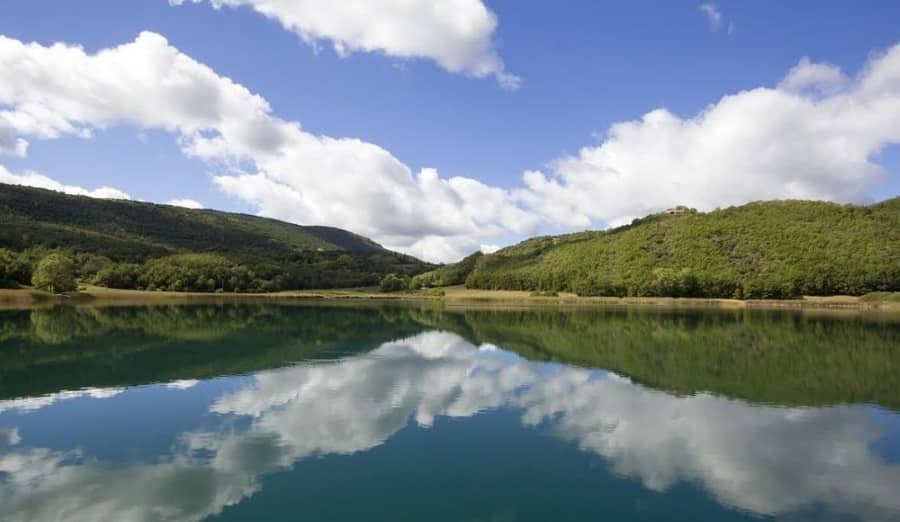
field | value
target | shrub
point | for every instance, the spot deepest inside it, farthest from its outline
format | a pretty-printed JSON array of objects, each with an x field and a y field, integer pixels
[
  {"x": 394, "y": 283},
  {"x": 55, "y": 273},
  {"x": 13, "y": 269}
]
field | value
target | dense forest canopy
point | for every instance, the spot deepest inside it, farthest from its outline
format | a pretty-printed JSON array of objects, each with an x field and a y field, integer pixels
[
  {"x": 774, "y": 249},
  {"x": 129, "y": 244},
  {"x": 447, "y": 275}
]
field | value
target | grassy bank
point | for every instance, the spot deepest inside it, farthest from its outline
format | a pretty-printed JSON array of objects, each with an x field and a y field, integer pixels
[
  {"x": 452, "y": 297},
  {"x": 463, "y": 297}
]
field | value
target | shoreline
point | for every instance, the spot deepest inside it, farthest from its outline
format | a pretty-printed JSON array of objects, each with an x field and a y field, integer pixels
[{"x": 453, "y": 297}]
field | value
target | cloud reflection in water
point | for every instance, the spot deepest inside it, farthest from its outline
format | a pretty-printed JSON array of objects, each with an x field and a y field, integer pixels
[{"x": 762, "y": 459}]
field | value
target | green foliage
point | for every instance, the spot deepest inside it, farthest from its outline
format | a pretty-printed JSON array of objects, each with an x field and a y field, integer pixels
[
  {"x": 55, "y": 273},
  {"x": 217, "y": 273},
  {"x": 89, "y": 265},
  {"x": 14, "y": 269},
  {"x": 7, "y": 261},
  {"x": 394, "y": 283},
  {"x": 763, "y": 250},
  {"x": 447, "y": 275},
  {"x": 882, "y": 297},
  {"x": 128, "y": 244}
]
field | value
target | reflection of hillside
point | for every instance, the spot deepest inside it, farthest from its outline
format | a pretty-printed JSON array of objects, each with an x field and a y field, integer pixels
[
  {"x": 761, "y": 459},
  {"x": 799, "y": 463},
  {"x": 763, "y": 357},
  {"x": 48, "y": 350}
]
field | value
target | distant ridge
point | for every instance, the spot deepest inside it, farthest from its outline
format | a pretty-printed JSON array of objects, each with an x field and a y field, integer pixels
[{"x": 62, "y": 218}]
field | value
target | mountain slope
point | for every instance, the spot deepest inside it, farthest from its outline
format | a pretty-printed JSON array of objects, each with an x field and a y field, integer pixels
[
  {"x": 65, "y": 220},
  {"x": 129, "y": 232},
  {"x": 771, "y": 249}
]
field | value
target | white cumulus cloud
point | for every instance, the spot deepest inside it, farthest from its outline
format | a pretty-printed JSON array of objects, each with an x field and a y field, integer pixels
[
  {"x": 456, "y": 34},
  {"x": 61, "y": 90},
  {"x": 808, "y": 77},
  {"x": 186, "y": 203},
  {"x": 33, "y": 179},
  {"x": 814, "y": 136},
  {"x": 10, "y": 145}
]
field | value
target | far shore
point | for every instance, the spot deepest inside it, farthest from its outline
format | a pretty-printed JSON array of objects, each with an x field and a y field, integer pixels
[{"x": 451, "y": 297}]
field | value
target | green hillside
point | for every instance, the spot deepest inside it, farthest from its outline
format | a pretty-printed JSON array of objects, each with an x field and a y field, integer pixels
[
  {"x": 774, "y": 249},
  {"x": 447, "y": 275},
  {"x": 116, "y": 242}
]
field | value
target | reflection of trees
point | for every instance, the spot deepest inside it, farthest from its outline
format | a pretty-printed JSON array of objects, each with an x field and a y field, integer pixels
[
  {"x": 59, "y": 327},
  {"x": 763, "y": 357},
  {"x": 67, "y": 348},
  {"x": 766, "y": 460},
  {"x": 758, "y": 356}
]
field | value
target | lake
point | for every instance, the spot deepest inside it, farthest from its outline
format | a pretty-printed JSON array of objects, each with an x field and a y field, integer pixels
[{"x": 274, "y": 411}]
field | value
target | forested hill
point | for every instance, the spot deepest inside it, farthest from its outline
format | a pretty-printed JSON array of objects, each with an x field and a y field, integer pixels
[
  {"x": 132, "y": 230},
  {"x": 118, "y": 232},
  {"x": 773, "y": 249}
]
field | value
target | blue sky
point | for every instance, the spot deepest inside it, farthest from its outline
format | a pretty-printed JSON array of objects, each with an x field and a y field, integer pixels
[{"x": 584, "y": 66}]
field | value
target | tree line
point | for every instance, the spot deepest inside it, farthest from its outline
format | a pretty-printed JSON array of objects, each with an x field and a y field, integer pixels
[{"x": 57, "y": 271}]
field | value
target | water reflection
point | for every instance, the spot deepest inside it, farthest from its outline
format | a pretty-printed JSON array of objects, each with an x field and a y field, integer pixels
[
  {"x": 36, "y": 403},
  {"x": 762, "y": 459},
  {"x": 761, "y": 357}
]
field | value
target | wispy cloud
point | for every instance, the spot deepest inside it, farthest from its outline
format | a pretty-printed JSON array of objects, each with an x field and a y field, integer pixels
[{"x": 714, "y": 16}]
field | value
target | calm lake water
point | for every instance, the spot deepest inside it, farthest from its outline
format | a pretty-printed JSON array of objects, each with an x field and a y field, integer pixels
[{"x": 271, "y": 412}]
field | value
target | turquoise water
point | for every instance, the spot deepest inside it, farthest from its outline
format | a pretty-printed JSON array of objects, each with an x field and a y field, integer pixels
[{"x": 245, "y": 412}]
